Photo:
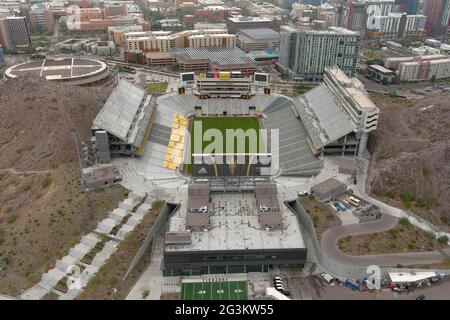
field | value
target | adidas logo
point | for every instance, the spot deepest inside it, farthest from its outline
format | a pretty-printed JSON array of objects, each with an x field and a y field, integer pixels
[{"x": 202, "y": 171}]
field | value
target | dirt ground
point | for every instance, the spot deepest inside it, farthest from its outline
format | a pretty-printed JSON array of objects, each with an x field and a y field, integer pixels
[
  {"x": 107, "y": 283},
  {"x": 37, "y": 119},
  {"x": 411, "y": 154},
  {"x": 321, "y": 214},
  {"x": 42, "y": 216},
  {"x": 402, "y": 238},
  {"x": 43, "y": 209}
]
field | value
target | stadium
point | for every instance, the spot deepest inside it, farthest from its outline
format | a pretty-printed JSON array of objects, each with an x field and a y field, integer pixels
[
  {"x": 229, "y": 211},
  {"x": 74, "y": 71}
]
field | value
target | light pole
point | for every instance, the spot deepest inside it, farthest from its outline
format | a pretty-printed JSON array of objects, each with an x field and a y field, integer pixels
[{"x": 75, "y": 140}]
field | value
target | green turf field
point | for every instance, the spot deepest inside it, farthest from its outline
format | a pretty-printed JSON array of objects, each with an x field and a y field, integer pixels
[
  {"x": 231, "y": 290},
  {"x": 222, "y": 124}
]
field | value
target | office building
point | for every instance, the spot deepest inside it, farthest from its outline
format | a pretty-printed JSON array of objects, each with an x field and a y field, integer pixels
[
  {"x": 381, "y": 74},
  {"x": 242, "y": 22},
  {"x": 304, "y": 54},
  {"x": 14, "y": 32},
  {"x": 257, "y": 39}
]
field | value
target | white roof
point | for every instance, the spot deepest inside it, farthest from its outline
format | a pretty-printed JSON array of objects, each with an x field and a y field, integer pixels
[
  {"x": 404, "y": 277},
  {"x": 323, "y": 118},
  {"x": 118, "y": 113},
  {"x": 274, "y": 293},
  {"x": 380, "y": 68}
]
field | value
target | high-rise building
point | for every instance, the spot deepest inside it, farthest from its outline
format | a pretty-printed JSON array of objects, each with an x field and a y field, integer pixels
[
  {"x": 304, "y": 54},
  {"x": 41, "y": 17},
  {"x": 408, "y": 6},
  {"x": 438, "y": 14},
  {"x": 395, "y": 26},
  {"x": 14, "y": 32}
]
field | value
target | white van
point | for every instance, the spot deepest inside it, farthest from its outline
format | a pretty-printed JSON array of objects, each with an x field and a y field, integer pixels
[{"x": 328, "y": 278}]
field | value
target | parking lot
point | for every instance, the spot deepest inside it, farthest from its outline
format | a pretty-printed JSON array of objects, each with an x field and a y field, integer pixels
[{"x": 315, "y": 288}]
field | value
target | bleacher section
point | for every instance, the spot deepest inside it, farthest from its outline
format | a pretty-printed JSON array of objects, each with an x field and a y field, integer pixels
[
  {"x": 295, "y": 156},
  {"x": 324, "y": 120},
  {"x": 174, "y": 154},
  {"x": 166, "y": 143}
]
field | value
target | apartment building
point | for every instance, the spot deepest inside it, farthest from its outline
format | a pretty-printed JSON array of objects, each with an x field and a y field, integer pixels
[
  {"x": 396, "y": 26},
  {"x": 163, "y": 41},
  {"x": 393, "y": 62},
  {"x": 422, "y": 70},
  {"x": 438, "y": 16},
  {"x": 41, "y": 17},
  {"x": 116, "y": 34},
  {"x": 305, "y": 53}
]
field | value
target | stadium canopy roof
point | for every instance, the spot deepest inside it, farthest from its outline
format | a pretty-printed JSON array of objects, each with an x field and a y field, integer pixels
[
  {"x": 221, "y": 56},
  {"x": 322, "y": 117},
  {"x": 123, "y": 113}
]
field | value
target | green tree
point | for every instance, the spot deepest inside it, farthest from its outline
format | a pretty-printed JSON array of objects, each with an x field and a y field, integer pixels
[
  {"x": 443, "y": 240},
  {"x": 404, "y": 221},
  {"x": 175, "y": 67}
]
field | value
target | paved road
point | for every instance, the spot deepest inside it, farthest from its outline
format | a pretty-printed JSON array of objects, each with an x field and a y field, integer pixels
[{"x": 331, "y": 236}]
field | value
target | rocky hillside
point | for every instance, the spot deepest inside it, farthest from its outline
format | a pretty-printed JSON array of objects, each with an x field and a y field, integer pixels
[
  {"x": 37, "y": 117},
  {"x": 411, "y": 153}
]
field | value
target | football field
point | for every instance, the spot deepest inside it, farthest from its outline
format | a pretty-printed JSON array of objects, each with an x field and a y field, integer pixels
[
  {"x": 231, "y": 290},
  {"x": 249, "y": 125}
]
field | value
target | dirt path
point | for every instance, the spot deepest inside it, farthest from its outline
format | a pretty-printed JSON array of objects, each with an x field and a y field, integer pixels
[{"x": 14, "y": 171}]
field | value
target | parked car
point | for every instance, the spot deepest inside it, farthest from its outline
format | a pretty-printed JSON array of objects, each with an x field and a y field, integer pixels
[{"x": 286, "y": 292}]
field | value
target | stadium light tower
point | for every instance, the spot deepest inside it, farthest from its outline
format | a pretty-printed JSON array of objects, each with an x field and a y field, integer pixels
[{"x": 75, "y": 140}]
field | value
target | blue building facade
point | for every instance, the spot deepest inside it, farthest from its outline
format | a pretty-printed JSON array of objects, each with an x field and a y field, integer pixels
[
  {"x": 2, "y": 57},
  {"x": 408, "y": 6}
]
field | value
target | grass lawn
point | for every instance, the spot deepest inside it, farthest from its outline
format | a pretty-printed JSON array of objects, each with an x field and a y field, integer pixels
[
  {"x": 321, "y": 214},
  {"x": 231, "y": 290},
  {"x": 222, "y": 124},
  {"x": 157, "y": 87}
]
